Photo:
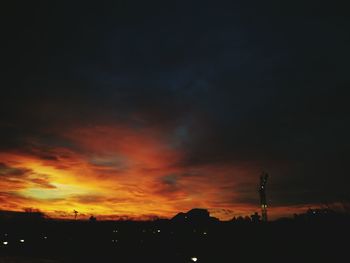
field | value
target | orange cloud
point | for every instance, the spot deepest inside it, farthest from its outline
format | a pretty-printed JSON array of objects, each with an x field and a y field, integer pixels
[{"x": 115, "y": 171}]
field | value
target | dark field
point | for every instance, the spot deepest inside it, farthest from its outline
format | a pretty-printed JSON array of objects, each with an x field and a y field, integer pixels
[{"x": 166, "y": 241}]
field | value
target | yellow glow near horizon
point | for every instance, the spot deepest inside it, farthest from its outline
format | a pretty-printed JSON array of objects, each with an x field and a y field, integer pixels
[
  {"x": 120, "y": 172},
  {"x": 60, "y": 191}
]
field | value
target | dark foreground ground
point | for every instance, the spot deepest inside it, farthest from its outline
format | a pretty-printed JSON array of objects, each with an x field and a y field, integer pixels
[{"x": 166, "y": 241}]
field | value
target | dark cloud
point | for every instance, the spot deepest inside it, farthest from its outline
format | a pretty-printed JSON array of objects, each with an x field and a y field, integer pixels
[
  {"x": 18, "y": 178},
  {"x": 6, "y": 170},
  {"x": 168, "y": 186},
  {"x": 265, "y": 84},
  {"x": 43, "y": 183},
  {"x": 170, "y": 180}
]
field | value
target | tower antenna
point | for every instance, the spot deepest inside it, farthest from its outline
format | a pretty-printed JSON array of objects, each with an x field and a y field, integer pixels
[{"x": 262, "y": 192}]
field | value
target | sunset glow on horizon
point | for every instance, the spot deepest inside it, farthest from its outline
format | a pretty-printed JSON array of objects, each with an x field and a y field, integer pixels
[
  {"x": 129, "y": 110},
  {"x": 115, "y": 172}
]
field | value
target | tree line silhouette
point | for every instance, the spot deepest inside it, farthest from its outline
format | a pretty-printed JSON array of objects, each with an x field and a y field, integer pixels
[{"x": 317, "y": 234}]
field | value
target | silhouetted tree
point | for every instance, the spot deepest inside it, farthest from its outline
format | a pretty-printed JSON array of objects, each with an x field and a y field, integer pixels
[
  {"x": 32, "y": 213},
  {"x": 92, "y": 219},
  {"x": 255, "y": 217},
  {"x": 75, "y": 214}
]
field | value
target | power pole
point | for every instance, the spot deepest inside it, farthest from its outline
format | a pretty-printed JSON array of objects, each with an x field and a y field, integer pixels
[{"x": 262, "y": 192}]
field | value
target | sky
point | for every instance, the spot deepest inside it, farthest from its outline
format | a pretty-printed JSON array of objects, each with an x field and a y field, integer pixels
[{"x": 135, "y": 109}]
